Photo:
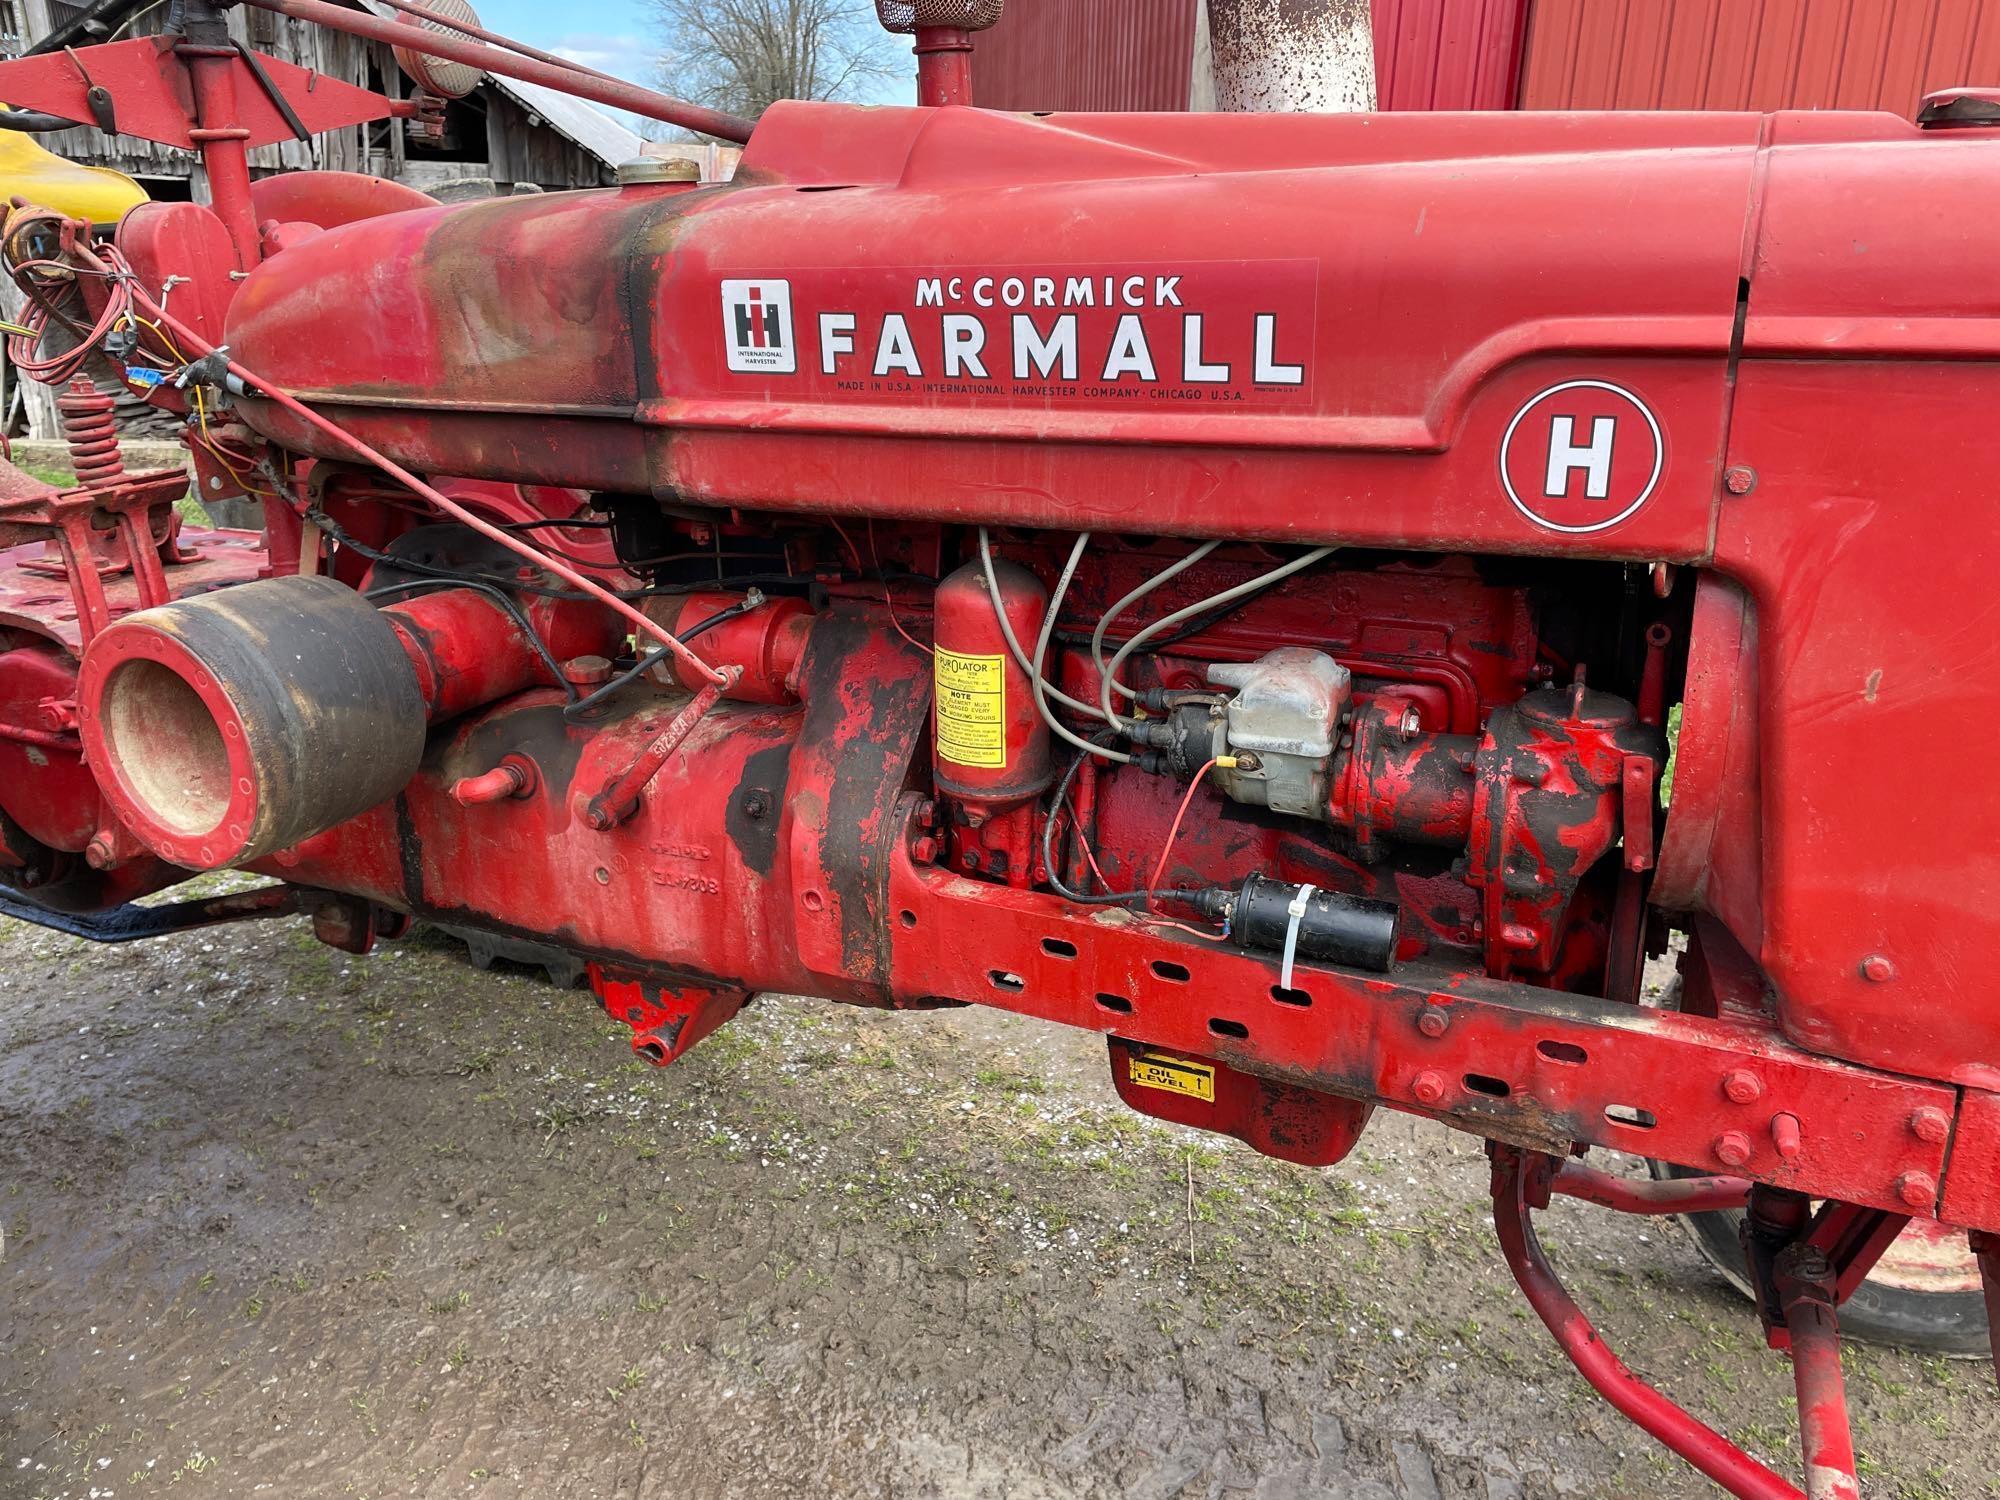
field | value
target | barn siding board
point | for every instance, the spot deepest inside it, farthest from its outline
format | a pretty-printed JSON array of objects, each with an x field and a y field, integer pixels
[
  {"x": 1754, "y": 54},
  {"x": 1087, "y": 54}
]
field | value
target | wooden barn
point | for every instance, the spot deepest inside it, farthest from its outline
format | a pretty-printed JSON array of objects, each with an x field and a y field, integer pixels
[{"x": 515, "y": 135}]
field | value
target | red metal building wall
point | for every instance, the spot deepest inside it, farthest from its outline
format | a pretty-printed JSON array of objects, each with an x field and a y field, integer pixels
[
  {"x": 1136, "y": 54},
  {"x": 1754, "y": 54},
  {"x": 1086, "y": 54},
  {"x": 1448, "y": 54},
  {"x": 1528, "y": 54}
]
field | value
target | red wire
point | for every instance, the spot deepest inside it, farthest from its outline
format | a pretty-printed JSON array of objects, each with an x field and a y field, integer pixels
[
  {"x": 650, "y": 627},
  {"x": 888, "y": 598},
  {"x": 1083, "y": 839},
  {"x": 1173, "y": 833}
]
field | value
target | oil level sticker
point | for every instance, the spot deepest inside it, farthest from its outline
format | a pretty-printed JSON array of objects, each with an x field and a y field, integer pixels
[
  {"x": 1150, "y": 1070},
  {"x": 972, "y": 710}
]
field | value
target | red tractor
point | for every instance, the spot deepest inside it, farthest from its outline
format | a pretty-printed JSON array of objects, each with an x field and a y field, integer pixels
[{"x": 1236, "y": 584}]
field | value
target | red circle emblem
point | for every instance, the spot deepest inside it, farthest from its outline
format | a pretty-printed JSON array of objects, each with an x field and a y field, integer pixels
[{"x": 1581, "y": 456}]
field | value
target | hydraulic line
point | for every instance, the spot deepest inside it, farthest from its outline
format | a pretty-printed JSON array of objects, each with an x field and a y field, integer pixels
[{"x": 567, "y": 78}]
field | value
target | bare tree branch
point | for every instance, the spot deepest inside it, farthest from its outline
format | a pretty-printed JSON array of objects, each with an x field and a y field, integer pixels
[{"x": 743, "y": 55}]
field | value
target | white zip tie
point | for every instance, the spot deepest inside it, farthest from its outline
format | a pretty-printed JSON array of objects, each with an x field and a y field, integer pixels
[{"x": 1297, "y": 912}]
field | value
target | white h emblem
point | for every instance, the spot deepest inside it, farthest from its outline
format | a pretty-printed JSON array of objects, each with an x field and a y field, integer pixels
[{"x": 1565, "y": 457}]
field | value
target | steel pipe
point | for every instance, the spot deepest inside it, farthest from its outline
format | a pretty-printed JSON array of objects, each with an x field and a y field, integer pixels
[
  {"x": 627, "y": 96},
  {"x": 1701, "y": 1445},
  {"x": 1643, "y": 1195},
  {"x": 1806, "y": 1292}
]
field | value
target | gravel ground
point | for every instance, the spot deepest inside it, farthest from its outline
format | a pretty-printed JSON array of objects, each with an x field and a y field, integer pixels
[{"x": 278, "y": 1220}]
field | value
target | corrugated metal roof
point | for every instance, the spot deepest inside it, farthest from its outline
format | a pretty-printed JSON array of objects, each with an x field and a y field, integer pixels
[
  {"x": 1754, "y": 54},
  {"x": 1448, "y": 54},
  {"x": 1086, "y": 54},
  {"x": 578, "y": 119}
]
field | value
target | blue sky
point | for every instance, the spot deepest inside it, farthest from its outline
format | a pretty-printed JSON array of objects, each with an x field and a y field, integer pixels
[{"x": 615, "y": 36}]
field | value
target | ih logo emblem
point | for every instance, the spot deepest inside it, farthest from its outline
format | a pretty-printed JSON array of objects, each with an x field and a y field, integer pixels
[
  {"x": 757, "y": 326},
  {"x": 1581, "y": 456}
]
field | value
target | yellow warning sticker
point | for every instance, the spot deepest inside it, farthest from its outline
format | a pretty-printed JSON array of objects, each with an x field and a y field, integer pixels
[
  {"x": 1176, "y": 1075},
  {"x": 972, "y": 710}
]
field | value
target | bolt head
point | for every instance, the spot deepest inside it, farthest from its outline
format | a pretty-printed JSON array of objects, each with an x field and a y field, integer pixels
[
  {"x": 1877, "y": 969},
  {"x": 1732, "y": 1148},
  {"x": 1740, "y": 1086},
  {"x": 1428, "y": 1087},
  {"x": 587, "y": 671},
  {"x": 1432, "y": 1021},
  {"x": 1740, "y": 479},
  {"x": 99, "y": 854},
  {"x": 924, "y": 850},
  {"x": 1930, "y": 1125},
  {"x": 1916, "y": 1189}
]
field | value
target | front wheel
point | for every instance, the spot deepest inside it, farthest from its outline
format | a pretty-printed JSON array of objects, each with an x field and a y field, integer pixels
[{"x": 1924, "y": 1292}]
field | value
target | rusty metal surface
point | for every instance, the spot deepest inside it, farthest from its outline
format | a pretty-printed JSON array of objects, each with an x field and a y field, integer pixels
[
  {"x": 1754, "y": 54},
  {"x": 1067, "y": 54},
  {"x": 1284, "y": 56},
  {"x": 32, "y": 601}
]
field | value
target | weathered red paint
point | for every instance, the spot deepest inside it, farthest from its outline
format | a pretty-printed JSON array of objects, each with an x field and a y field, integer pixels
[
  {"x": 1583, "y": 460},
  {"x": 1520, "y": 1185}
]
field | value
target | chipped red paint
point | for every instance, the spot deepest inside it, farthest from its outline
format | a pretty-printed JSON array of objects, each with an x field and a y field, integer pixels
[{"x": 1581, "y": 461}]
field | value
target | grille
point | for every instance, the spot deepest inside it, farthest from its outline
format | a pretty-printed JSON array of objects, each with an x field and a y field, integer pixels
[
  {"x": 905, "y": 16},
  {"x": 437, "y": 75}
]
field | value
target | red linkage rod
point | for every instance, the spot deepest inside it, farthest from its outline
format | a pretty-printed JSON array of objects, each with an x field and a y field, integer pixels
[
  {"x": 565, "y": 77},
  {"x": 1701, "y": 1445}
]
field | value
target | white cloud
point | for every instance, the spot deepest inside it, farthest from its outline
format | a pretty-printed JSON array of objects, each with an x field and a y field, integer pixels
[{"x": 623, "y": 56}]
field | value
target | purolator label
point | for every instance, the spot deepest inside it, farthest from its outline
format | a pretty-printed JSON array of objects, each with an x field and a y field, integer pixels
[{"x": 972, "y": 710}]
